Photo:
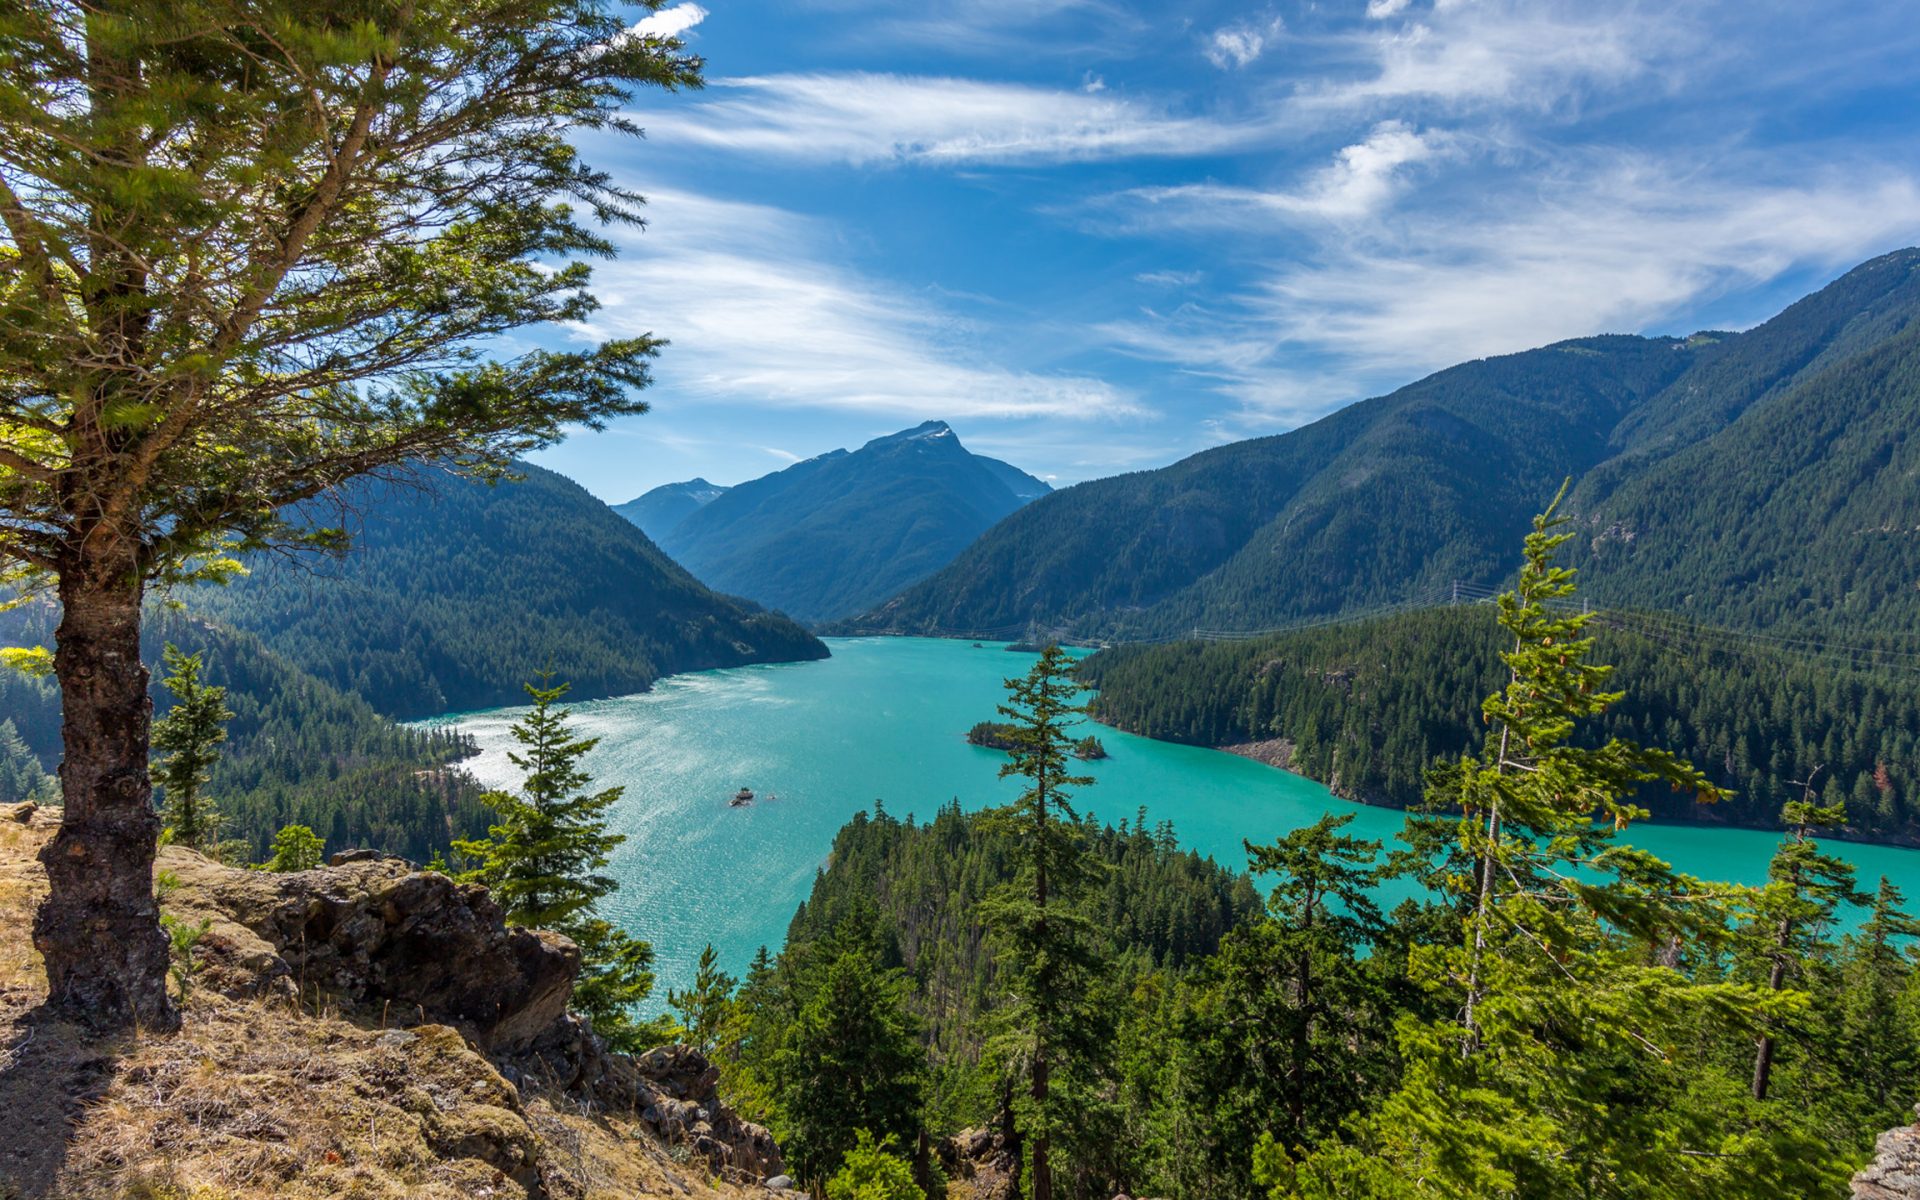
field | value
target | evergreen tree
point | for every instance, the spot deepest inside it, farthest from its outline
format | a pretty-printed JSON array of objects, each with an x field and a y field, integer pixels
[
  {"x": 1054, "y": 1032},
  {"x": 1560, "y": 1072},
  {"x": 189, "y": 735},
  {"x": 852, "y": 1063},
  {"x": 238, "y": 278},
  {"x": 870, "y": 1173},
  {"x": 1793, "y": 916},
  {"x": 21, "y": 775},
  {"x": 616, "y": 974},
  {"x": 295, "y": 848},
  {"x": 1880, "y": 1014},
  {"x": 543, "y": 861},
  {"x": 704, "y": 1007}
]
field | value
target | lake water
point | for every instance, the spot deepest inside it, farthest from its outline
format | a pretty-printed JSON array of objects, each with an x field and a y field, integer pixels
[{"x": 886, "y": 719}]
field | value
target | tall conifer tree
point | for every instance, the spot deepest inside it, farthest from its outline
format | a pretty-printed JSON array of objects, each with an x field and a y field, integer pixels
[
  {"x": 1560, "y": 1072},
  {"x": 1053, "y": 1030},
  {"x": 253, "y": 251},
  {"x": 189, "y": 735},
  {"x": 544, "y": 862}
]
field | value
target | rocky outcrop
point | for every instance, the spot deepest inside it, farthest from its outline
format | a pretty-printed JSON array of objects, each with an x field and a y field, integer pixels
[
  {"x": 981, "y": 1165},
  {"x": 1894, "y": 1173},
  {"x": 672, "y": 1088},
  {"x": 376, "y": 934}
]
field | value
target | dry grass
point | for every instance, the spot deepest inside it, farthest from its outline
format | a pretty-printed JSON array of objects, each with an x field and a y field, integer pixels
[{"x": 256, "y": 1099}]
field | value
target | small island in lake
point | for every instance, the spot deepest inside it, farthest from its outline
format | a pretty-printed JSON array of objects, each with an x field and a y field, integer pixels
[{"x": 998, "y": 735}]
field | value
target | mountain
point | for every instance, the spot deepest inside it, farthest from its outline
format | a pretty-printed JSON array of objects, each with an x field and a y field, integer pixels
[
  {"x": 455, "y": 594},
  {"x": 657, "y": 512},
  {"x": 1757, "y": 477},
  {"x": 840, "y": 532}
]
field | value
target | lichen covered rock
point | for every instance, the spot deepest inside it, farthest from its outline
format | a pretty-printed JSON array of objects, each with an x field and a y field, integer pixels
[{"x": 376, "y": 934}]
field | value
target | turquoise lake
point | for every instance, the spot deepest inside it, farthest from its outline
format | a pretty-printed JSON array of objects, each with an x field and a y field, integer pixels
[{"x": 886, "y": 719}]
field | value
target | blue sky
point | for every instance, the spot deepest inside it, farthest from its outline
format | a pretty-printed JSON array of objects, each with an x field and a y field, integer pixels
[{"x": 1097, "y": 237}]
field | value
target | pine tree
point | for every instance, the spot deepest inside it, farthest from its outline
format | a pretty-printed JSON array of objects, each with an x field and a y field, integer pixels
[
  {"x": 1880, "y": 1015},
  {"x": 1794, "y": 912},
  {"x": 1561, "y": 1068},
  {"x": 21, "y": 775},
  {"x": 705, "y": 1006},
  {"x": 616, "y": 975},
  {"x": 1054, "y": 1033},
  {"x": 852, "y": 1061},
  {"x": 543, "y": 861},
  {"x": 871, "y": 1173},
  {"x": 189, "y": 736},
  {"x": 236, "y": 279}
]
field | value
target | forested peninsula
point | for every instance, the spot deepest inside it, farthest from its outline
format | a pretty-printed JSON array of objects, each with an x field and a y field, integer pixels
[{"x": 1366, "y": 707}]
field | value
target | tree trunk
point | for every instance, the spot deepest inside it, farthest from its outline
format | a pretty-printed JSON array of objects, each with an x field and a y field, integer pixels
[
  {"x": 1042, "y": 1142},
  {"x": 1763, "y": 1049},
  {"x": 99, "y": 928}
]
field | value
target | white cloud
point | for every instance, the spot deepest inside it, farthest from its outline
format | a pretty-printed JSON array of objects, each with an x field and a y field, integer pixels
[
  {"x": 757, "y": 311},
  {"x": 1236, "y": 46},
  {"x": 865, "y": 118},
  {"x": 669, "y": 22},
  {"x": 1528, "y": 54},
  {"x": 1380, "y": 10},
  {"x": 1616, "y": 244},
  {"x": 1360, "y": 181}
]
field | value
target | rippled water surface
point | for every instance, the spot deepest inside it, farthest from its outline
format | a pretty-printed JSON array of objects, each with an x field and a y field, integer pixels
[{"x": 886, "y": 719}]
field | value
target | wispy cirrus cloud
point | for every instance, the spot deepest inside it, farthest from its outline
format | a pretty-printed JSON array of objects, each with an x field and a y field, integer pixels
[
  {"x": 757, "y": 311},
  {"x": 1468, "y": 56},
  {"x": 1618, "y": 245},
  {"x": 877, "y": 119},
  {"x": 1362, "y": 179}
]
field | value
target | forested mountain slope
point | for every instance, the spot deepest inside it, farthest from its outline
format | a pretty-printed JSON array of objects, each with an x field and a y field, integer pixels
[
  {"x": 1728, "y": 460},
  {"x": 837, "y": 533},
  {"x": 454, "y": 595},
  {"x": 299, "y": 750},
  {"x": 1366, "y": 707}
]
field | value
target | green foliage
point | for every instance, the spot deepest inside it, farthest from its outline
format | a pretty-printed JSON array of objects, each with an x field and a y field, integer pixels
[
  {"x": 189, "y": 736},
  {"x": 451, "y": 592},
  {"x": 1052, "y": 1028},
  {"x": 543, "y": 862},
  {"x": 307, "y": 268},
  {"x": 21, "y": 775},
  {"x": 299, "y": 752},
  {"x": 182, "y": 940},
  {"x": 871, "y": 1173},
  {"x": 295, "y": 848},
  {"x": 1366, "y": 706},
  {"x": 616, "y": 975},
  {"x": 851, "y": 1063},
  {"x": 703, "y": 1008},
  {"x": 1559, "y": 1062}
]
